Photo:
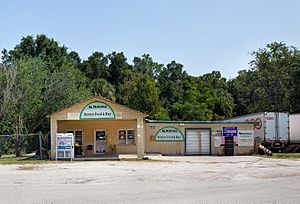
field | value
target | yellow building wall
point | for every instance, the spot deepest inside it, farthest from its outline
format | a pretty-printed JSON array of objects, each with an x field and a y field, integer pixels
[
  {"x": 111, "y": 127},
  {"x": 125, "y": 118},
  {"x": 178, "y": 148}
]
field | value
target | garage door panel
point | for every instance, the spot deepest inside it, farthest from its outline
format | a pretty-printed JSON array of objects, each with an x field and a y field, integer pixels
[
  {"x": 198, "y": 141},
  {"x": 192, "y": 142},
  {"x": 205, "y": 142}
]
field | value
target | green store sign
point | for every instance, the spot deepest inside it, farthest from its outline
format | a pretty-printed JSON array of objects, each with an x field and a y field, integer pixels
[
  {"x": 169, "y": 134},
  {"x": 97, "y": 111}
]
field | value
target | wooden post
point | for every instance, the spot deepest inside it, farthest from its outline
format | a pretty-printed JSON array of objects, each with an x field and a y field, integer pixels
[
  {"x": 140, "y": 138},
  {"x": 41, "y": 149},
  {"x": 53, "y": 124}
]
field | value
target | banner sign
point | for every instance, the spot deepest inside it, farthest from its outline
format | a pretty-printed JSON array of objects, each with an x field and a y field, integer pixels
[
  {"x": 217, "y": 141},
  {"x": 97, "y": 110},
  {"x": 229, "y": 131},
  {"x": 169, "y": 134},
  {"x": 245, "y": 138},
  {"x": 64, "y": 142}
]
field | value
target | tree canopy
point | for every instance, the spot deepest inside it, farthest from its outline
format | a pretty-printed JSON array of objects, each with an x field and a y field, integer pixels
[{"x": 39, "y": 76}]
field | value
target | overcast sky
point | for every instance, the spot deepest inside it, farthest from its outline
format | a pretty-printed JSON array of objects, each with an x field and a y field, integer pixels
[{"x": 202, "y": 35}]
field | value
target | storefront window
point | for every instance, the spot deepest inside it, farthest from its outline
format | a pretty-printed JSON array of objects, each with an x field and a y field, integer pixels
[
  {"x": 78, "y": 141},
  {"x": 122, "y": 137},
  {"x": 78, "y": 136},
  {"x": 126, "y": 137},
  {"x": 130, "y": 137}
]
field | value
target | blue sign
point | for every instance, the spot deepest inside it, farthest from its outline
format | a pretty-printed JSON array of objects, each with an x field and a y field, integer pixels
[{"x": 229, "y": 131}]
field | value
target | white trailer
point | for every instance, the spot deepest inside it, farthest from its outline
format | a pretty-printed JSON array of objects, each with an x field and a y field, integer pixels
[
  {"x": 272, "y": 128},
  {"x": 295, "y": 128}
]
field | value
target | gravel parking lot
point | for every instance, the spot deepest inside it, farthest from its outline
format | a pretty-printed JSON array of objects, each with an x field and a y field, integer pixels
[{"x": 196, "y": 179}]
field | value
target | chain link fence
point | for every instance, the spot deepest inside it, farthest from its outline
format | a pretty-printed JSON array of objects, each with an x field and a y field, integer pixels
[{"x": 25, "y": 146}]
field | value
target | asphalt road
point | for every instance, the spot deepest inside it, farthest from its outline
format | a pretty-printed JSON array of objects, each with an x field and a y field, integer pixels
[{"x": 181, "y": 180}]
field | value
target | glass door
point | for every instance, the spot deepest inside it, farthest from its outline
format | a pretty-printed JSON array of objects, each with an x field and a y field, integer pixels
[
  {"x": 100, "y": 142},
  {"x": 78, "y": 141}
]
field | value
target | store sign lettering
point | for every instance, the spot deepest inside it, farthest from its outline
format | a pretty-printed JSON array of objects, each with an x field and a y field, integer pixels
[
  {"x": 245, "y": 138},
  {"x": 229, "y": 131},
  {"x": 97, "y": 110},
  {"x": 169, "y": 134}
]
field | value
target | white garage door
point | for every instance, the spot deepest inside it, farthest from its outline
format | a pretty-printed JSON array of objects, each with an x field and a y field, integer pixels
[
  {"x": 205, "y": 142},
  {"x": 197, "y": 141}
]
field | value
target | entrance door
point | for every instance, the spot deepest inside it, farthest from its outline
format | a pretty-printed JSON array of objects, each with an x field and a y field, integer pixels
[
  {"x": 197, "y": 142},
  {"x": 229, "y": 146},
  {"x": 100, "y": 142}
]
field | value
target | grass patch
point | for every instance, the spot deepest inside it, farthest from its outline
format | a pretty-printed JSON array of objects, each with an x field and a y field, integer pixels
[
  {"x": 13, "y": 156},
  {"x": 24, "y": 159},
  {"x": 286, "y": 155}
]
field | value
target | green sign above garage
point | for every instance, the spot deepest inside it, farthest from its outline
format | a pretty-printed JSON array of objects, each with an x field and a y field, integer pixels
[{"x": 169, "y": 134}]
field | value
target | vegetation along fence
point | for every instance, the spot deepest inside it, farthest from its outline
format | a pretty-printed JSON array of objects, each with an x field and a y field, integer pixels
[{"x": 31, "y": 146}]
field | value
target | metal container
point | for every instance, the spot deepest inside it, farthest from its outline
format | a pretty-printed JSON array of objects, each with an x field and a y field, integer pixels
[
  {"x": 295, "y": 128},
  {"x": 272, "y": 127}
]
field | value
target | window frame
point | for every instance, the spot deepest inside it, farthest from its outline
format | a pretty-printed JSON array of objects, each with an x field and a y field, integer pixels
[
  {"x": 126, "y": 137},
  {"x": 74, "y": 133}
]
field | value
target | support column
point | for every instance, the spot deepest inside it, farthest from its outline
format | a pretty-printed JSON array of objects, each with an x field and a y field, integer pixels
[
  {"x": 53, "y": 131},
  {"x": 140, "y": 138}
]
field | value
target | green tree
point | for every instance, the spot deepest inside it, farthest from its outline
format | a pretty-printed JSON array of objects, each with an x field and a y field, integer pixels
[
  {"x": 64, "y": 87},
  {"x": 75, "y": 58},
  {"x": 242, "y": 91},
  {"x": 119, "y": 69},
  {"x": 145, "y": 64},
  {"x": 42, "y": 47},
  {"x": 271, "y": 84},
  {"x": 26, "y": 86},
  {"x": 100, "y": 87},
  {"x": 170, "y": 84},
  {"x": 143, "y": 95},
  {"x": 295, "y": 93},
  {"x": 27, "y": 93},
  {"x": 204, "y": 98},
  {"x": 214, "y": 92},
  {"x": 96, "y": 66},
  {"x": 35, "y": 93}
]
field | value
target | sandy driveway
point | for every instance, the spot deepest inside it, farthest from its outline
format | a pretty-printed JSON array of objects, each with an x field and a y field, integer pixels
[{"x": 182, "y": 180}]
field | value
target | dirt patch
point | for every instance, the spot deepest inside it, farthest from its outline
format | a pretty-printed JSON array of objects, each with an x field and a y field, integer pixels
[
  {"x": 196, "y": 179},
  {"x": 29, "y": 168}
]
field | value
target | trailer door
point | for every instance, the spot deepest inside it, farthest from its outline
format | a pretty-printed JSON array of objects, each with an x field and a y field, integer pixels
[
  {"x": 283, "y": 127},
  {"x": 270, "y": 130},
  {"x": 294, "y": 123}
]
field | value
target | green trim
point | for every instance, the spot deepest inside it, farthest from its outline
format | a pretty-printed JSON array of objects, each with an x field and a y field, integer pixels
[
  {"x": 182, "y": 135},
  {"x": 114, "y": 116},
  {"x": 199, "y": 122}
]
